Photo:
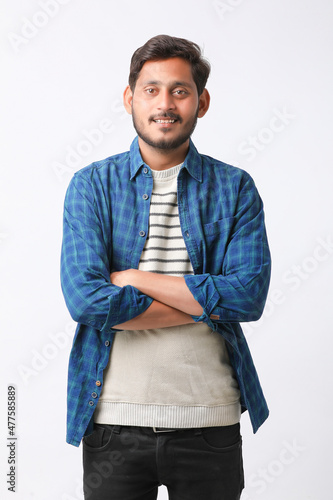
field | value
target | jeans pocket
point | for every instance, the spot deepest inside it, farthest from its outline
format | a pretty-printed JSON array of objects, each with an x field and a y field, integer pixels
[
  {"x": 99, "y": 439},
  {"x": 224, "y": 438}
]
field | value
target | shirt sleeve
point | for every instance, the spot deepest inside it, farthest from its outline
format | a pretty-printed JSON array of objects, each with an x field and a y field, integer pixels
[
  {"x": 239, "y": 293},
  {"x": 85, "y": 264}
]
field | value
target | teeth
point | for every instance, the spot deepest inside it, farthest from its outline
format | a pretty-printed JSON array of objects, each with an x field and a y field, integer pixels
[{"x": 165, "y": 121}]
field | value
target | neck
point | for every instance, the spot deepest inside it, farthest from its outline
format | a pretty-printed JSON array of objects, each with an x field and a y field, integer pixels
[{"x": 161, "y": 159}]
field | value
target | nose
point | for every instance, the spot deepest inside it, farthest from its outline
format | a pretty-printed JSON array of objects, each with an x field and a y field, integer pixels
[{"x": 166, "y": 100}]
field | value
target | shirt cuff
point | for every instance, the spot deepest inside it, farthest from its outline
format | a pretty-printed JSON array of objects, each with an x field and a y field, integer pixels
[
  {"x": 126, "y": 305},
  {"x": 203, "y": 290}
]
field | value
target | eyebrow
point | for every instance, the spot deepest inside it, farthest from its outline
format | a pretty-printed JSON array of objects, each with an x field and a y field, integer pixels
[{"x": 174, "y": 84}]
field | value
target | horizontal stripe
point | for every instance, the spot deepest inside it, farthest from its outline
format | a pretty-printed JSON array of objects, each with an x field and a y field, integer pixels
[
  {"x": 165, "y": 226},
  {"x": 158, "y": 214},
  {"x": 164, "y": 194},
  {"x": 163, "y": 249},
  {"x": 169, "y": 204}
]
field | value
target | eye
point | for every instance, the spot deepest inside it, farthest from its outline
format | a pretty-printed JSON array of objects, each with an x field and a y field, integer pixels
[
  {"x": 180, "y": 92},
  {"x": 150, "y": 91}
]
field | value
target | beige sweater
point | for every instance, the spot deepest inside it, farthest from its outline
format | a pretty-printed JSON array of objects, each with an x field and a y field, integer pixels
[{"x": 168, "y": 377}]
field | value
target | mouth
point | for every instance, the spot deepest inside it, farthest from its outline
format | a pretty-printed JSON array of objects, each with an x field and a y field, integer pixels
[
  {"x": 164, "y": 121},
  {"x": 167, "y": 121}
]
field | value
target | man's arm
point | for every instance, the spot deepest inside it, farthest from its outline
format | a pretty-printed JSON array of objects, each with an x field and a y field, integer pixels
[
  {"x": 236, "y": 294},
  {"x": 85, "y": 268},
  {"x": 170, "y": 290},
  {"x": 236, "y": 286},
  {"x": 157, "y": 315}
]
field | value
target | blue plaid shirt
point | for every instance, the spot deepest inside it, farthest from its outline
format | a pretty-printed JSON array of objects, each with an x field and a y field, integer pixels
[{"x": 106, "y": 219}]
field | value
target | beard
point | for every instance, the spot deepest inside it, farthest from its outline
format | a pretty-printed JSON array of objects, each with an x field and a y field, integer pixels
[{"x": 165, "y": 144}]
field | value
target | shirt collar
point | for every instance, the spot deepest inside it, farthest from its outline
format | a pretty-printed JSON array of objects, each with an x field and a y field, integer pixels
[{"x": 192, "y": 162}]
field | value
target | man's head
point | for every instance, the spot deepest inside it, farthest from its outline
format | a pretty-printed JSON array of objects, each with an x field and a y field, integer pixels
[
  {"x": 166, "y": 92},
  {"x": 164, "y": 47}
]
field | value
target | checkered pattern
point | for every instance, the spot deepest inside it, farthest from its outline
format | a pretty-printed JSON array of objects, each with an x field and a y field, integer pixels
[{"x": 106, "y": 217}]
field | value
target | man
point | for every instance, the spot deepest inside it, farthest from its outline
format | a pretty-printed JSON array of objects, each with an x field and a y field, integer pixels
[{"x": 164, "y": 253}]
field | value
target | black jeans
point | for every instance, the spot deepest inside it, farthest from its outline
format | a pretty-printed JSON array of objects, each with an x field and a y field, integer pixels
[{"x": 129, "y": 463}]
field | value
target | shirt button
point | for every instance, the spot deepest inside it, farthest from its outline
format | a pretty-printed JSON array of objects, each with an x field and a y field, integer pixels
[
  {"x": 145, "y": 197},
  {"x": 98, "y": 383},
  {"x": 94, "y": 395},
  {"x": 187, "y": 234},
  {"x": 107, "y": 343},
  {"x": 142, "y": 233},
  {"x": 91, "y": 403},
  {"x": 145, "y": 170}
]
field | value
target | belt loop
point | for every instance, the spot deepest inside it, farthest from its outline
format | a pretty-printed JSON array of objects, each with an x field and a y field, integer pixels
[{"x": 116, "y": 429}]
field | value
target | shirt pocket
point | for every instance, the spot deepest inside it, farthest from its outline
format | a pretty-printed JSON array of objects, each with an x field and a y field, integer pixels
[{"x": 221, "y": 226}]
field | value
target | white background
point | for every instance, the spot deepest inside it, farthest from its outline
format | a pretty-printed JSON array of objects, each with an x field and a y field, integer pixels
[{"x": 63, "y": 73}]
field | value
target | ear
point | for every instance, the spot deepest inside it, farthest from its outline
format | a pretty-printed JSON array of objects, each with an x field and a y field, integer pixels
[
  {"x": 127, "y": 99},
  {"x": 204, "y": 101}
]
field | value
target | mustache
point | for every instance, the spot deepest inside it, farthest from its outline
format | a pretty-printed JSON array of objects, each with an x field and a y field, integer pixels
[{"x": 170, "y": 116}]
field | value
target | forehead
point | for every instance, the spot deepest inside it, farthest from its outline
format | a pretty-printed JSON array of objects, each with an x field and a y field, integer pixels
[{"x": 166, "y": 71}]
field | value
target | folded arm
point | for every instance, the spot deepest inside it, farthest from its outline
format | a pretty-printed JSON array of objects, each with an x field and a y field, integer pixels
[
  {"x": 170, "y": 290},
  {"x": 236, "y": 288},
  {"x": 157, "y": 315}
]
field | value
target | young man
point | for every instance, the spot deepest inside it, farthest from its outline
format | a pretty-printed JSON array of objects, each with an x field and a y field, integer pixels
[{"x": 164, "y": 253}]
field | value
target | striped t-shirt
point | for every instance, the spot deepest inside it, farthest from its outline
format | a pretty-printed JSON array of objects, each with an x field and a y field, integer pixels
[{"x": 165, "y": 251}]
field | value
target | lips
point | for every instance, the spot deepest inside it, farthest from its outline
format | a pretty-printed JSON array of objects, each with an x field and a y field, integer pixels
[
  {"x": 168, "y": 119},
  {"x": 164, "y": 121}
]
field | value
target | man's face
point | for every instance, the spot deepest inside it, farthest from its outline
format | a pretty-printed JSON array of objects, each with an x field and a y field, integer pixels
[{"x": 165, "y": 103}]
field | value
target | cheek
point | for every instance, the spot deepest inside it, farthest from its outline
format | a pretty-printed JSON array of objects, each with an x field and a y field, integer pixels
[
  {"x": 142, "y": 112},
  {"x": 190, "y": 111},
  {"x": 141, "y": 105}
]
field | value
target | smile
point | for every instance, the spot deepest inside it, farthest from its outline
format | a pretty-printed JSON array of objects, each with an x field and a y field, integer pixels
[{"x": 164, "y": 121}]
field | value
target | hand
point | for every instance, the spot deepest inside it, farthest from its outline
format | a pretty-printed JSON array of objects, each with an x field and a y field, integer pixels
[{"x": 122, "y": 278}]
